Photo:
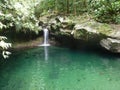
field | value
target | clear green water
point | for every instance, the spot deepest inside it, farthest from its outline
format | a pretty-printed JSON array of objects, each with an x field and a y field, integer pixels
[{"x": 55, "y": 68}]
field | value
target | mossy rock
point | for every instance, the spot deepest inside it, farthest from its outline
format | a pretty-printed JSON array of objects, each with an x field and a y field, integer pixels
[{"x": 96, "y": 27}]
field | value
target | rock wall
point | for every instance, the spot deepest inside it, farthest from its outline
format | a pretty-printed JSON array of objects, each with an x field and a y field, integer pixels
[{"x": 89, "y": 33}]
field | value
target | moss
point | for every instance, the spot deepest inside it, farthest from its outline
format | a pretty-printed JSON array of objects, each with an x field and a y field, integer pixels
[
  {"x": 102, "y": 28},
  {"x": 82, "y": 34},
  {"x": 105, "y": 29},
  {"x": 87, "y": 20},
  {"x": 81, "y": 18},
  {"x": 70, "y": 25}
]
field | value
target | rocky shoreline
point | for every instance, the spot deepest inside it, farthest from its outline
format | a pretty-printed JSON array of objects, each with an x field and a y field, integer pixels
[
  {"x": 90, "y": 32},
  {"x": 67, "y": 32}
]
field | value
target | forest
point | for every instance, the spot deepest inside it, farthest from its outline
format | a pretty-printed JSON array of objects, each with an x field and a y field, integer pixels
[
  {"x": 59, "y": 44},
  {"x": 23, "y": 15}
]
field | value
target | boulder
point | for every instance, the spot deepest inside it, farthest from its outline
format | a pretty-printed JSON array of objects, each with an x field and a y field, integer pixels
[
  {"x": 111, "y": 44},
  {"x": 91, "y": 31}
]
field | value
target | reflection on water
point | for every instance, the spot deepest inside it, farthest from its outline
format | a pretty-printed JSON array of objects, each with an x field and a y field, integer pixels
[
  {"x": 46, "y": 52},
  {"x": 65, "y": 70}
]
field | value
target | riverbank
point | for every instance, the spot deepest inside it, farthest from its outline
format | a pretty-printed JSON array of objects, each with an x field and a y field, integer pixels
[
  {"x": 85, "y": 30},
  {"x": 77, "y": 32}
]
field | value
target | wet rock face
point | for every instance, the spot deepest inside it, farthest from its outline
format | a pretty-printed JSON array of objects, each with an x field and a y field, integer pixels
[
  {"x": 66, "y": 31},
  {"x": 110, "y": 44},
  {"x": 91, "y": 32},
  {"x": 85, "y": 33},
  {"x": 106, "y": 36}
]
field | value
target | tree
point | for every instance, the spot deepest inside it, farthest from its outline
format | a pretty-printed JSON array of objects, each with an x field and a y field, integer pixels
[
  {"x": 4, "y": 46},
  {"x": 67, "y": 6},
  {"x": 12, "y": 14}
]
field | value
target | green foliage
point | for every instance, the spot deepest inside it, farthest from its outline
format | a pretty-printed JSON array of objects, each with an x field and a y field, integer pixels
[
  {"x": 63, "y": 6},
  {"x": 4, "y": 46},
  {"x": 106, "y": 10},
  {"x": 18, "y": 14}
]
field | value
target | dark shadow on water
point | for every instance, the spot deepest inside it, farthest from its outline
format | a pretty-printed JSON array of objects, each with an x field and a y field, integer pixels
[{"x": 97, "y": 50}]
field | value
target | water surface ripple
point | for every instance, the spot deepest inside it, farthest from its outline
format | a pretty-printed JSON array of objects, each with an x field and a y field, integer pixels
[{"x": 59, "y": 69}]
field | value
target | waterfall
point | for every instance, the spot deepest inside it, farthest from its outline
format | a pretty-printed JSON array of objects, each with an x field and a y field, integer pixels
[
  {"x": 45, "y": 42},
  {"x": 46, "y": 37}
]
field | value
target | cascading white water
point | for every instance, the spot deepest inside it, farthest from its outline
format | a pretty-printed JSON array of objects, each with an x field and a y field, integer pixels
[
  {"x": 46, "y": 37},
  {"x": 46, "y": 43}
]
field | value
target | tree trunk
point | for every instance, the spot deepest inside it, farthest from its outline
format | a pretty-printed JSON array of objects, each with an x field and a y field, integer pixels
[
  {"x": 56, "y": 8},
  {"x": 67, "y": 6},
  {"x": 75, "y": 8}
]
